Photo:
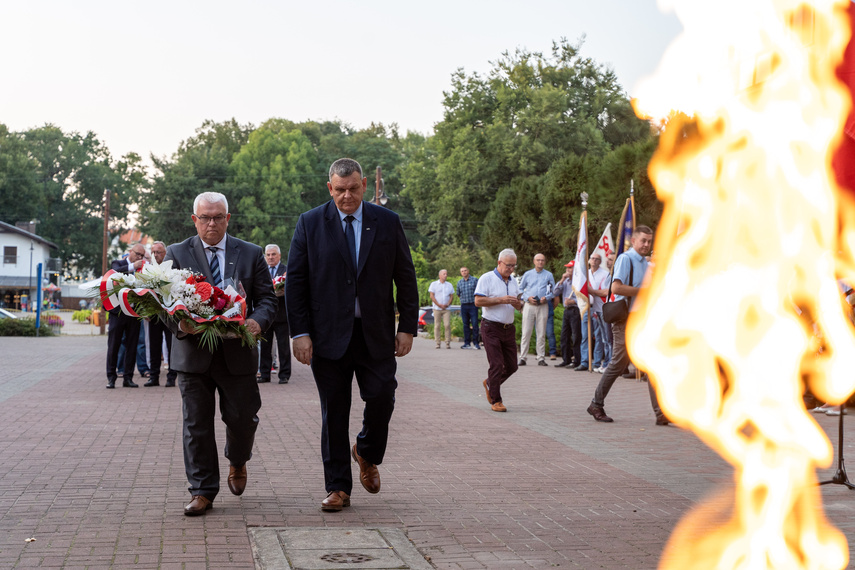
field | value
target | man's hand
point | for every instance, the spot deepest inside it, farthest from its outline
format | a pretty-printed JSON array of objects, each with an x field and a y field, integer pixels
[
  {"x": 516, "y": 303},
  {"x": 403, "y": 343},
  {"x": 253, "y": 326},
  {"x": 138, "y": 263},
  {"x": 302, "y": 349},
  {"x": 533, "y": 301}
]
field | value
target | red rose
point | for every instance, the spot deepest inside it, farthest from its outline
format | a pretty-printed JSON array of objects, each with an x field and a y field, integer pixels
[
  {"x": 191, "y": 280},
  {"x": 220, "y": 303}
]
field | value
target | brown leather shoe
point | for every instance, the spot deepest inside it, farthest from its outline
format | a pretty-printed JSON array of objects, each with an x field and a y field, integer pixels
[
  {"x": 369, "y": 476},
  {"x": 335, "y": 502},
  {"x": 237, "y": 479},
  {"x": 599, "y": 413},
  {"x": 487, "y": 389},
  {"x": 499, "y": 407},
  {"x": 198, "y": 506},
  {"x": 662, "y": 420}
]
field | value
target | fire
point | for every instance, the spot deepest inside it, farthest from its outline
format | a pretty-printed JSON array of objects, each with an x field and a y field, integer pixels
[{"x": 743, "y": 307}]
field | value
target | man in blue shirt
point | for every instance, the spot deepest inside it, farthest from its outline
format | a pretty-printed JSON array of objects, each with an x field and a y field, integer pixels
[
  {"x": 626, "y": 285},
  {"x": 468, "y": 310},
  {"x": 536, "y": 286}
]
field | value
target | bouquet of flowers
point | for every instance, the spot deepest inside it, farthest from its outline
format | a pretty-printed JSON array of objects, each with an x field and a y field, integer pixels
[
  {"x": 159, "y": 291},
  {"x": 279, "y": 285}
]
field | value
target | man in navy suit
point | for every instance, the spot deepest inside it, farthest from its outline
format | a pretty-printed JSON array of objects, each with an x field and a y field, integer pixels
[
  {"x": 121, "y": 324},
  {"x": 344, "y": 259},
  {"x": 230, "y": 369},
  {"x": 279, "y": 329}
]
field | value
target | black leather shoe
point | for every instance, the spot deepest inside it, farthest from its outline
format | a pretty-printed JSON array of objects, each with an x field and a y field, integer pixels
[
  {"x": 521, "y": 362},
  {"x": 542, "y": 363},
  {"x": 284, "y": 379},
  {"x": 662, "y": 420},
  {"x": 560, "y": 365},
  {"x": 111, "y": 384},
  {"x": 129, "y": 384},
  {"x": 170, "y": 384},
  {"x": 580, "y": 368},
  {"x": 263, "y": 380},
  {"x": 152, "y": 382}
]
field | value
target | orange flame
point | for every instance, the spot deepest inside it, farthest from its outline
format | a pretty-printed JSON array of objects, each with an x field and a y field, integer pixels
[{"x": 744, "y": 292}]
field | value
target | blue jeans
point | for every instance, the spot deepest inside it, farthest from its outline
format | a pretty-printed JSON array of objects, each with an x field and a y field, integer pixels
[
  {"x": 550, "y": 329},
  {"x": 469, "y": 314},
  {"x": 596, "y": 329},
  {"x": 142, "y": 363}
]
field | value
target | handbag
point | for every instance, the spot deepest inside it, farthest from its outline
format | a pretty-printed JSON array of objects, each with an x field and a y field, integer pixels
[{"x": 616, "y": 311}]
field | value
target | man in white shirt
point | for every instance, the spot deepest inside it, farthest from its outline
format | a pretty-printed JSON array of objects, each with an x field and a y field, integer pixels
[
  {"x": 598, "y": 285},
  {"x": 498, "y": 295},
  {"x": 441, "y": 294}
]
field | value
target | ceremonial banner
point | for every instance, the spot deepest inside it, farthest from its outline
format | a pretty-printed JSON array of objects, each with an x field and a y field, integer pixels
[{"x": 580, "y": 268}]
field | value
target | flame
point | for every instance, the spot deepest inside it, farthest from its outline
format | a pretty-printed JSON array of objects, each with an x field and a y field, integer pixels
[{"x": 743, "y": 307}]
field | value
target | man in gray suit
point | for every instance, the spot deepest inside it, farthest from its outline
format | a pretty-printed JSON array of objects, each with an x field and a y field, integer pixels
[{"x": 230, "y": 369}]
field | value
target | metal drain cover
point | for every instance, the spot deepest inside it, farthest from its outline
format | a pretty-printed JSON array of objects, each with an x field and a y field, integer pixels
[{"x": 324, "y": 548}]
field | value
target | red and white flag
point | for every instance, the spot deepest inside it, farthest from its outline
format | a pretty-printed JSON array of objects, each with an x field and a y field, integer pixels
[
  {"x": 605, "y": 247},
  {"x": 580, "y": 269}
]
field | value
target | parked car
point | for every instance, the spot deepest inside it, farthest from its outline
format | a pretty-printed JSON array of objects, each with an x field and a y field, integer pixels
[
  {"x": 4, "y": 314},
  {"x": 426, "y": 315}
]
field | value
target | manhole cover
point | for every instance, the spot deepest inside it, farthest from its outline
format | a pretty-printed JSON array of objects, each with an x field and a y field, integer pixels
[{"x": 347, "y": 558}]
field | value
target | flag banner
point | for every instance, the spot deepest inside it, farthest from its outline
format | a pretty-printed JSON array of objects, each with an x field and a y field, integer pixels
[
  {"x": 605, "y": 246},
  {"x": 627, "y": 226},
  {"x": 580, "y": 269}
]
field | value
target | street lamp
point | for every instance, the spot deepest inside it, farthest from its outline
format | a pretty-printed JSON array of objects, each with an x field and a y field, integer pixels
[{"x": 380, "y": 197}]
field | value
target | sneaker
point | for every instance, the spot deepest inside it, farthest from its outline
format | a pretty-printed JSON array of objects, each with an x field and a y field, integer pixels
[
  {"x": 835, "y": 411},
  {"x": 478, "y": 346},
  {"x": 599, "y": 413},
  {"x": 600, "y": 370},
  {"x": 465, "y": 346}
]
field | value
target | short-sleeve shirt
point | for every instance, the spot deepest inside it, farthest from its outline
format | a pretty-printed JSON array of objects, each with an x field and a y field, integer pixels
[
  {"x": 599, "y": 280},
  {"x": 623, "y": 263},
  {"x": 492, "y": 284},
  {"x": 442, "y": 292}
]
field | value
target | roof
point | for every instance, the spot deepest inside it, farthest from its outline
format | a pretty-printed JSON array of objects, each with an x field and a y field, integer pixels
[
  {"x": 17, "y": 282},
  {"x": 4, "y": 227}
]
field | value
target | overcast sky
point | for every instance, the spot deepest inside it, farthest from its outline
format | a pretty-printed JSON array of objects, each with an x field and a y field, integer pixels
[{"x": 144, "y": 75}]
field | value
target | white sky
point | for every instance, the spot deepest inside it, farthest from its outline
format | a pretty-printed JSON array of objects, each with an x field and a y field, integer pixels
[{"x": 144, "y": 75}]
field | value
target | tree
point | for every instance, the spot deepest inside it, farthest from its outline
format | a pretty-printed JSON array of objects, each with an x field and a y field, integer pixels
[{"x": 202, "y": 163}]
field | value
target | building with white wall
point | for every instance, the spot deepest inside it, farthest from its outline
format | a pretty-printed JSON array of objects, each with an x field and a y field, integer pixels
[{"x": 22, "y": 251}]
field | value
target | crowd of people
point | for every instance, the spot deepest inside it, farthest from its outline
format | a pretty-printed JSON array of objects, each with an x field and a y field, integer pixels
[{"x": 535, "y": 293}]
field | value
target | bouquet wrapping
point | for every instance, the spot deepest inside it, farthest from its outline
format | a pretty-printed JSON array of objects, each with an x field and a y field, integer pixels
[
  {"x": 279, "y": 285},
  {"x": 159, "y": 291}
]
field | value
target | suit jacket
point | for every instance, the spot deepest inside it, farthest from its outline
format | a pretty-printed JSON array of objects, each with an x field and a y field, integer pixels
[
  {"x": 323, "y": 284},
  {"x": 281, "y": 313},
  {"x": 120, "y": 266},
  {"x": 244, "y": 263}
]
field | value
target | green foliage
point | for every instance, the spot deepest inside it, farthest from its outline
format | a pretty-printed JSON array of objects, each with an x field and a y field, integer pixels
[
  {"x": 81, "y": 316},
  {"x": 59, "y": 179},
  {"x": 23, "y": 327}
]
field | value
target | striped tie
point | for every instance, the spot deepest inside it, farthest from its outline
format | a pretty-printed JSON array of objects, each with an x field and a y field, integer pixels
[{"x": 215, "y": 266}]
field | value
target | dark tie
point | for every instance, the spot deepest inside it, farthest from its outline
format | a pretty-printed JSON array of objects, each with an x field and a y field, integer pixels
[
  {"x": 215, "y": 266},
  {"x": 273, "y": 272},
  {"x": 351, "y": 238}
]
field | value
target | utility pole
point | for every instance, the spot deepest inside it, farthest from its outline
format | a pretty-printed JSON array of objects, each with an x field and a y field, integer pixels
[{"x": 103, "y": 320}]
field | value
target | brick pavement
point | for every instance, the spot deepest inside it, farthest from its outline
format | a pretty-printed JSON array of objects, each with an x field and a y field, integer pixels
[{"x": 96, "y": 476}]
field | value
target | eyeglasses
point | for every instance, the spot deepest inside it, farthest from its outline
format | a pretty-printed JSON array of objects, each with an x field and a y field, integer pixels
[
  {"x": 511, "y": 265},
  {"x": 138, "y": 254},
  {"x": 208, "y": 219}
]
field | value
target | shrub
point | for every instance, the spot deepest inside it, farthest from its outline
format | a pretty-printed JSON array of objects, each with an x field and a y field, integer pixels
[
  {"x": 23, "y": 327},
  {"x": 81, "y": 316}
]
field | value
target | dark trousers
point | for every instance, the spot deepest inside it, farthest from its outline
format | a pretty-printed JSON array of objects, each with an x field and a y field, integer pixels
[
  {"x": 377, "y": 384},
  {"x": 469, "y": 314},
  {"x": 239, "y": 405},
  {"x": 118, "y": 326},
  {"x": 280, "y": 330},
  {"x": 620, "y": 360},
  {"x": 572, "y": 323},
  {"x": 500, "y": 343},
  {"x": 157, "y": 331}
]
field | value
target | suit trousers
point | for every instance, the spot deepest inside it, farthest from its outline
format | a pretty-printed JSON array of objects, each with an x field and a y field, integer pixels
[
  {"x": 120, "y": 325},
  {"x": 239, "y": 405},
  {"x": 620, "y": 359},
  {"x": 534, "y": 317},
  {"x": 377, "y": 384},
  {"x": 500, "y": 344},
  {"x": 283, "y": 344},
  {"x": 567, "y": 334},
  {"x": 157, "y": 333},
  {"x": 444, "y": 316}
]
